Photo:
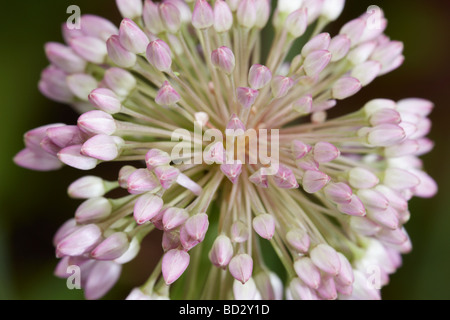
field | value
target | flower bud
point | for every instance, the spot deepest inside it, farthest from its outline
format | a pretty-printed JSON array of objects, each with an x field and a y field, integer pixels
[
  {"x": 174, "y": 217},
  {"x": 285, "y": 178},
  {"x": 118, "y": 54},
  {"x": 130, "y": 8},
  {"x": 103, "y": 147},
  {"x": 325, "y": 152},
  {"x": 105, "y": 100},
  {"x": 197, "y": 226},
  {"x": 87, "y": 187},
  {"x": 147, "y": 207},
  {"x": 152, "y": 17},
  {"x": 332, "y": 9},
  {"x": 112, "y": 247},
  {"x": 297, "y": 22},
  {"x": 339, "y": 47},
  {"x": 314, "y": 181},
  {"x": 223, "y": 17},
  {"x": 224, "y": 59},
  {"x": 124, "y": 174},
  {"x": 318, "y": 43},
  {"x": 142, "y": 181},
  {"x": 339, "y": 193},
  {"x": 360, "y": 178},
  {"x": 72, "y": 157},
  {"x": 101, "y": 278},
  {"x": 232, "y": 171},
  {"x": 241, "y": 267},
  {"x": 97, "y": 122},
  {"x": 326, "y": 259},
  {"x": 174, "y": 263},
  {"x": 239, "y": 232},
  {"x": 308, "y": 272},
  {"x": 64, "y": 58},
  {"x": 299, "y": 240},
  {"x": 246, "y": 13},
  {"x": 281, "y": 86},
  {"x": 221, "y": 252},
  {"x": 246, "y": 97},
  {"x": 81, "y": 85},
  {"x": 159, "y": 55},
  {"x": 259, "y": 76},
  {"x": 303, "y": 105},
  {"x": 167, "y": 95},
  {"x": 354, "y": 208},
  {"x": 167, "y": 175},
  {"x": 131, "y": 37},
  {"x": 90, "y": 49},
  {"x": 82, "y": 240},
  {"x": 260, "y": 179},
  {"x": 156, "y": 158},
  {"x": 92, "y": 210},
  {"x": 170, "y": 16},
  {"x": 203, "y": 15},
  {"x": 345, "y": 88},
  {"x": 264, "y": 226}
]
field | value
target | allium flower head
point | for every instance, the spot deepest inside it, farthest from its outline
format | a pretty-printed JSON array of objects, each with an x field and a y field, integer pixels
[{"x": 223, "y": 150}]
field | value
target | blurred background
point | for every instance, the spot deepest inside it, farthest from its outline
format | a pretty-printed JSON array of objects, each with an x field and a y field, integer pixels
[{"x": 33, "y": 205}]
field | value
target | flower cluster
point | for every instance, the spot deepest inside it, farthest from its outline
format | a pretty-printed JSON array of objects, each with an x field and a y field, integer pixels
[{"x": 334, "y": 208}]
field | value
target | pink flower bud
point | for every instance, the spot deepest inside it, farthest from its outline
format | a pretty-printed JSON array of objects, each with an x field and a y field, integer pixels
[
  {"x": 152, "y": 17},
  {"x": 147, "y": 207},
  {"x": 97, "y": 27},
  {"x": 174, "y": 263},
  {"x": 364, "y": 226},
  {"x": 239, "y": 232},
  {"x": 316, "y": 61},
  {"x": 92, "y": 210},
  {"x": 326, "y": 259},
  {"x": 130, "y": 8},
  {"x": 377, "y": 105},
  {"x": 174, "y": 217},
  {"x": 90, "y": 48},
  {"x": 303, "y": 105},
  {"x": 299, "y": 240},
  {"x": 112, "y": 247},
  {"x": 387, "y": 218},
  {"x": 167, "y": 175},
  {"x": 118, "y": 54},
  {"x": 361, "y": 53},
  {"x": 203, "y": 15},
  {"x": 221, "y": 252},
  {"x": 65, "y": 136},
  {"x": 314, "y": 181},
  {"x": 427, "y": 188},
  {"x": 385, "y": 116},
  {"x": 399, "y": 179},
  {"x": 67, "y": 228},
  {"x": 224, "y": 59},
  {"x": 346, "y": 87},
  {"x": 421, "y": 107},
  {"x": 281, "y": 86},
  {"x": 124, "y": 174},
  {"x": 360, "y": 178},
  {"x": 373, "y": 199},
  {"x": 167, "y": 95},
  {"x": 81, "y": 85},
  {"x": 247, "y": 291},
  {"x": 260, "y": 179},
  {"x": 131, "y": 37},
  {"x": 232, "y": 171},
  {"x": 64, "y": 58},
  {"x": 102, "y": 277},
  {"x": 339, "y": 47},
  {"x": 259, "y": 76},
  {"x": 186, "y": 182},
  {"x": 318, "y": 43},
  {"x": 103, "y": 147},
  {"x": 285, "y": 178},
  {"x": 170, "y": 16},
  {"x": 395, "y": 199},
  {"x": 53, "y": 85},
  {"x": 246, "y": 97},
  {"x": 142, "y": 181},
  {"x": 325, "y": 152},
  {"x": 354, "y": 30},
  {"x": 241, "y": 267},
  {"x": 223, "y": 17},
  {"x": 197, "y": 226},
  {"x": 235, "y": 124},
  {"x": 297, "y": 22},
  {"x": 138, "y": 295},
  {"x": 156, "y": 158},
  {"x": 339, "y": 193},
  {"x": 327, "y": 288},
  {"x": 97, "y": 122},
  {"x": 388, "y": 52},
  {"x": 354, "y": 208},
  {"x": 121, "y": 82},
  {"x": 82, "y": 240},
  {"x": 300, "y": 291},
  {"x": 72, "y": 157},
  {"x": 386, "y": 135},
  {"x": 105, "y": 100},
  {"x": 308, "y": 272},
  {"x": 246, "y": 13},
  {"x": 264, "y": 226},
  {"x": 87, "y": 187},
  {"x": 367, "y": 72},
  {"x": 159, "y": 55}
]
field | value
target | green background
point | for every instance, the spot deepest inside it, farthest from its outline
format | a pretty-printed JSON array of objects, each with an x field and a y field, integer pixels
[{"x": 33, "y": 205}]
